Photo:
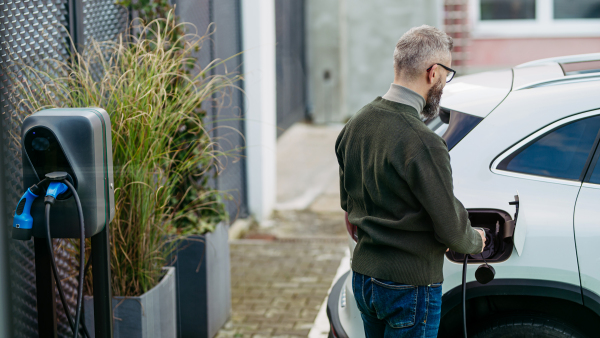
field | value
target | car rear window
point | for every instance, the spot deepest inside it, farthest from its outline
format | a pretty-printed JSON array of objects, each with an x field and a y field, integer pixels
[
  {"x": 452, "y": 125},
  {"x": 560, "y": 153}
]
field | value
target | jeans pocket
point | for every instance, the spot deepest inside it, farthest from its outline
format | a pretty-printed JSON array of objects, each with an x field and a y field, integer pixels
[
  {"x": 395, "y": 303},
  {"x": 436, "y": 285}
]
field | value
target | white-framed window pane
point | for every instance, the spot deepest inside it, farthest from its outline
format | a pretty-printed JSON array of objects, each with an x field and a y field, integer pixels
[
  {"x": 507, "y": 9},
  {"x": 577, "y": 9}
]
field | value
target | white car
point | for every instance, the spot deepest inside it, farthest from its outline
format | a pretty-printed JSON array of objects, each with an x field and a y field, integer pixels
[{"x": 528, "y": 134}]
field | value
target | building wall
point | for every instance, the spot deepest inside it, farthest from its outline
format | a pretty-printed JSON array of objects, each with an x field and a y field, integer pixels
[
  {"x": 350, "y": 48},
  {"x": 501, "y": 43},
  {"x": 496, "y": 53},
  {"x": 324, "y": 71}
]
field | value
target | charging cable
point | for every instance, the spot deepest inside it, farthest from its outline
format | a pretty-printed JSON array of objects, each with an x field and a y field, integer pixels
[
  {"x": 464, "y": 293},
  {"x": 485, "y": 273},
  {"x": 56, "y": 188}
]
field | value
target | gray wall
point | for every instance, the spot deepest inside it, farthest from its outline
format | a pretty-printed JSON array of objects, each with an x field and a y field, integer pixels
[{"x": 349, "y": 50}]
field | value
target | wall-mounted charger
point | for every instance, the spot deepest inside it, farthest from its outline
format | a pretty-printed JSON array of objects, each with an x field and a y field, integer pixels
[{"x": 76, "y": 141}]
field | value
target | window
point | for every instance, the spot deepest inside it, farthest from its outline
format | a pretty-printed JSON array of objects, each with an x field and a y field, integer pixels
[
  {"x": 577, "y": 9},
  {"x": 560, "y": 153},
  {"x": 534, "y": 18},
  {"x": 507, "y": 9},
  {"x": 452, "y": 125}
]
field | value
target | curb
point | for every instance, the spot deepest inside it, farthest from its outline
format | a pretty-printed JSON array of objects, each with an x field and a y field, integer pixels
[{"x": 239, "y": 228}]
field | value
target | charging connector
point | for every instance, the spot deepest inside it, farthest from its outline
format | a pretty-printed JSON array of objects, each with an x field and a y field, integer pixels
[
  {"x": 54, "y": 189},
  {"x": 22, "y": 221}
]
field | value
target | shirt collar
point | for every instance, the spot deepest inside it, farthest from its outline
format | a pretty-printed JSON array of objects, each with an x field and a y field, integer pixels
[{"x": 405, "y": 96}]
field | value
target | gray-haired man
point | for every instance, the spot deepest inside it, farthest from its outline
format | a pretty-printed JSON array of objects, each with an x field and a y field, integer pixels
[{"x": 396, "y": 185}]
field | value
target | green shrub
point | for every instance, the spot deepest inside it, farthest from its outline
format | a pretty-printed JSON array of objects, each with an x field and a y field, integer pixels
[{"x": 162, "y": 151}]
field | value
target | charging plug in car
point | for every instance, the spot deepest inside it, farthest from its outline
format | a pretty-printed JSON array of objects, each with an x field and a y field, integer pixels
[{"x": 485, "y": 273}]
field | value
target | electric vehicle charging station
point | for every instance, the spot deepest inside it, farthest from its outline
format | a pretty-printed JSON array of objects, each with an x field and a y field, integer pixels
[{"x": 67, "y": 156}]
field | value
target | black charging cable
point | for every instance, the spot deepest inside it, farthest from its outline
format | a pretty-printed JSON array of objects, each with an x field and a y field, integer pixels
[
  {"x": 464, "y": 289},
  {"x": 82, "y": 266},
  {"x": 464, "y": 293}
]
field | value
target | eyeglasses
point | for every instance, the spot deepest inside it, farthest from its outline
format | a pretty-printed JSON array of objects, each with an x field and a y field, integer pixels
[{"x": 451, "y": 72}]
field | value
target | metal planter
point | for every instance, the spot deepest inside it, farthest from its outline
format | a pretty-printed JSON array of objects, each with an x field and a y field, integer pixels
[
  {"x": 151, "y": 315},
  {"x": 203, "y": 284}
]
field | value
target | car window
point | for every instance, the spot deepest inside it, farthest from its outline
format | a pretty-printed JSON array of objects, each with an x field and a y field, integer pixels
[
  {"x": 452, "y": 125},
  {"x": 560, "y": 153}
]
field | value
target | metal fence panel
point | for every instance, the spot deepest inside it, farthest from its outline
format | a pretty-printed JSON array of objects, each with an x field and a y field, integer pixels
[
  {"x": 229, "y": 111},
  {"x": 31, "y": 30},
  {"x": 291, "y": 70},
  {"x": 224, "y": 113}
]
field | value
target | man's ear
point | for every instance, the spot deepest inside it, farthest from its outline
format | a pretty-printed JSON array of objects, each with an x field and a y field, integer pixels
[{"x": 431, "y": 75}]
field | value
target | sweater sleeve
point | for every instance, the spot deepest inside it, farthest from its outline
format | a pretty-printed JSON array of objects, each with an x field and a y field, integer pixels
[
  {"x": 429, "y": 177},
  {"x": 343, "y": 193}
]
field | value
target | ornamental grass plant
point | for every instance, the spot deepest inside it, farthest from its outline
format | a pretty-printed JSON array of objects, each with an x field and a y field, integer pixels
[{"x": 153, "y": 90}]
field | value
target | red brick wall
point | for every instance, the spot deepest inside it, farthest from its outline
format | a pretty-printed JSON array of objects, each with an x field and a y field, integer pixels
[
  {"x": 511, "y": 52},
  {"x": 456, "y": 24}
]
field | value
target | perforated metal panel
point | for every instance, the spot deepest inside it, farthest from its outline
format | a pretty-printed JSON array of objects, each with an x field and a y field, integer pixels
[
  {"x": 31, "y": 30},
  {"x": 101, "y": 20}
]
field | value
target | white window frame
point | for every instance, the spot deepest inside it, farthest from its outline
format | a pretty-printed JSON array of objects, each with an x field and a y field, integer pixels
[{"x": 544, "y": 24}]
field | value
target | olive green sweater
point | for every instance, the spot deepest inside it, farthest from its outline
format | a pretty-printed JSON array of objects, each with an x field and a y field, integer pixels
[{"x": 396, "y": 185}]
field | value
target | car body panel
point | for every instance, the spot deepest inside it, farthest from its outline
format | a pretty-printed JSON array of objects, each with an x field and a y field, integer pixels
[
  {"x": 351, "y": 318},
  {"x": 547, "y": 212},
  {"x": 477, "y": 94},
  {"x": 587, "y": 236}
]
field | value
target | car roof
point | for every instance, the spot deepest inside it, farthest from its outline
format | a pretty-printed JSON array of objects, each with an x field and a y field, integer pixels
[{"x": 479, "y": 94}]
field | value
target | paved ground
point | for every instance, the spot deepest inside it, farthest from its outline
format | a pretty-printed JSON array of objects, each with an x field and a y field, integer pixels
[
  {"x": 306, "y": 165},
  {"x": 278, "y": 287},
  {"x": 282, "y": 270}
]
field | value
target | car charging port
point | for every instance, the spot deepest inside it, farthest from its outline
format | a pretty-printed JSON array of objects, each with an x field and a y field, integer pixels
[{"x": 499, "y": 228}]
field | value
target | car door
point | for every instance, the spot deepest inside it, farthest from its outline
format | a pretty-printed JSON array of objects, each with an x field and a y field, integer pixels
[{"x": 587, "y": 231}]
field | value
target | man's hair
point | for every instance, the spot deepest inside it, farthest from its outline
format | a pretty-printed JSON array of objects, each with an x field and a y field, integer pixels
[{"x": 419, "y": 48}]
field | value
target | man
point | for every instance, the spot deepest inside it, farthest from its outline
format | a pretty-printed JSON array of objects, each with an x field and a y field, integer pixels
[{"x": 396, "y": 185}]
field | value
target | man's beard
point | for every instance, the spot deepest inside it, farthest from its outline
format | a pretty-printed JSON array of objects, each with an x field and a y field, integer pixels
[{"x": 432, "y": 105}]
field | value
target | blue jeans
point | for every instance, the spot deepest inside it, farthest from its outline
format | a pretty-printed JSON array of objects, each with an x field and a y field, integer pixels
[{"x": 394, "y": 310}]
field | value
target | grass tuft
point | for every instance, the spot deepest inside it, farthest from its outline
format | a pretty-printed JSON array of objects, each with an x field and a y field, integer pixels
[{"x": 159, "y": 140}]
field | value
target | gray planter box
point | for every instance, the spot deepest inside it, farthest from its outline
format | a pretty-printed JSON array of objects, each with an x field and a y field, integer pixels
[
  {"x": 203, "y": 284},
  {"x": 151, "y": 315}
]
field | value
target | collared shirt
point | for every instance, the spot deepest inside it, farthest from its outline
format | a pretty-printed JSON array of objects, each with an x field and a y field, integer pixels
[{"x": 405, "y": 96}]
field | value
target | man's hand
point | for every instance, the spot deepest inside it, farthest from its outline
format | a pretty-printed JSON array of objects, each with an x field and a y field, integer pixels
[{"x": 482, "y": 233}]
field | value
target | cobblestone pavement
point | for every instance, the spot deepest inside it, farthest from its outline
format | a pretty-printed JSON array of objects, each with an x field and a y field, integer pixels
[
  {"x": 282, "y": 271},
  {"x": 279, "y": 283}
]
